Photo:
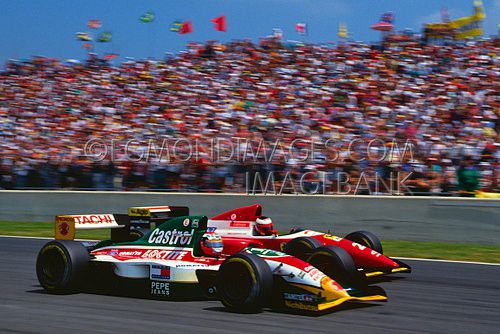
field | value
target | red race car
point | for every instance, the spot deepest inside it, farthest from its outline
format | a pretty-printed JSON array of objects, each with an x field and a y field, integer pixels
[{"x": 358, "y": 252}]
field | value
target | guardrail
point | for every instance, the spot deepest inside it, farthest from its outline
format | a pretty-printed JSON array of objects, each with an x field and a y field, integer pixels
[{"x": 390, "y": 217}]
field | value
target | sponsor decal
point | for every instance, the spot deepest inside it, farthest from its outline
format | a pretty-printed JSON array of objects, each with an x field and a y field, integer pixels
[
  {"x": 300, "y": 297},
  {"x": 195, "y": 223},
  {"x": 300, "y": 305},
  {"x": 174, "y": 237},
  {"x": 282, "y": 246},
  {"x": 191, "y": 265},
  {"x": 160, "y": 289},
  {"x": 93, "y": 219},
  {"x": 265, "y": 252},
  {"x": 332, "y": 237},
  {"x": 314, "y": 273},
  {"x": 301, "y": 275},
  {"x": 163, "y": 254},
  {"x": 139, "y": 212},
  {"x": 239, "y": 224},
  {"x": 185, "y": 223},
  {"x": 159, "y": 272},
  {"x": 64, "y": 229},
  {"x": 233, "y": 216},
  {"x": 139, "y": 221},
  {"x": 327, "y": 281},
  {"x": 211, "y": 229},
  {"x": 113, "y": 252},
  {"x": 130, "y": 253}
]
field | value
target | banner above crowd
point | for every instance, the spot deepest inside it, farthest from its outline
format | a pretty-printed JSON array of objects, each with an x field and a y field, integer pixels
[{"x": 462, "y": 28}]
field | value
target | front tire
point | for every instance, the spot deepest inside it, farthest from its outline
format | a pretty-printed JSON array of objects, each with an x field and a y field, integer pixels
[
  {"x": 244, "y": 283},
  {"x": 367, "y": 239},
  {"x": 61, "y": 266},
  {"x": 337, "y": 264},
  {"x": 302, "y": 247}
]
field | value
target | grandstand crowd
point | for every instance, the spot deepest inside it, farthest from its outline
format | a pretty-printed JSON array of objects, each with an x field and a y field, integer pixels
[{"x": 442, "y": 99}]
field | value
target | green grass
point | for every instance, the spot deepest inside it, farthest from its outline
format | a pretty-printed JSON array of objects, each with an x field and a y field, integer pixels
[
  {"x": 431, "y": 250},
  {"x": 443, "y": 250},
  {"x": 37, "y": 229}
]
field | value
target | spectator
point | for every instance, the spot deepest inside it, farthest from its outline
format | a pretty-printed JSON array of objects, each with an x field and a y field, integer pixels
[{"x": 441, "y": 99}]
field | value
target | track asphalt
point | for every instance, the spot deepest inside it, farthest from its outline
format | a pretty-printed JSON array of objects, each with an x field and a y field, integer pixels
[{"x": 436, "y": 297}]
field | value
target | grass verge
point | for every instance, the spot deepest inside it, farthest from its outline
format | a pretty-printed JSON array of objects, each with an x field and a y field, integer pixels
[
  {"x": 443, "y": 250},
  {"x": 430, "y": 250},
  {"x": 32, "y": 229}
]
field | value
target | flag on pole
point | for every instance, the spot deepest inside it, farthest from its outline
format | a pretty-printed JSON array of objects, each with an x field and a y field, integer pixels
[
  {"x": 301, "y": 28},
  {"x": 387, "y": 17},
  {"x": 220, "y": 23},
  {"x": 110, "y": 56},
  {"x": 181, "y": 27},
  {"x": 479, "y": 10},
  {"x": 148, "y": 17},
  {"x": 94, "y": 24},
  {"x": 88, "y": 46},
  {"x": 104, "y": 37},
  {"x": 176, "y": 26},
  {"x": 342, "y": 30},
  {"x": 187, "y": 28},
  {"x": 83, "y": 36}
]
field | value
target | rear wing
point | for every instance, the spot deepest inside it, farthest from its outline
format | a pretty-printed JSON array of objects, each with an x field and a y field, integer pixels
[
  {"x": 158, "y": 212},
  {"x": 66, "y": 225},
  {"x": 120, "y": 224},
  {"x": 144, "y": 216}
]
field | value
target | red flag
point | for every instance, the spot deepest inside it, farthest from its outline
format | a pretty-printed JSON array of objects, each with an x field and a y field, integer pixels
[
  {"x": 220, "y": 23},
  {"x": 301, "y": 28},
  {"x": 187, "y": 28},
  {"x": 110, "y": 56}
]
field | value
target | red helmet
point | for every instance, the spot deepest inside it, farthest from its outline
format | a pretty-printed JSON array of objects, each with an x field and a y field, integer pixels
[
  {"x": 264, "y": 226},
  {"x": 211, "y": 244}
]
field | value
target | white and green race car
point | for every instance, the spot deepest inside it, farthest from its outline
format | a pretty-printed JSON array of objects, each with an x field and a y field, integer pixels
[{"x": 181, "y": 259}]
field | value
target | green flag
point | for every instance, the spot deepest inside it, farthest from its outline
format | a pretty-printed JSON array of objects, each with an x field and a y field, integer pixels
[
  {"x": 104, "y": 37},
  {"x": 148, "y": 17},
  {"x": 83, "y": 36}
]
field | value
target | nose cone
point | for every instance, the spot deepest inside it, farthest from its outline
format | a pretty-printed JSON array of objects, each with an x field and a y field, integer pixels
[
  {"x": 367, "y": 257},
  {"x": 332, "y": 290}
]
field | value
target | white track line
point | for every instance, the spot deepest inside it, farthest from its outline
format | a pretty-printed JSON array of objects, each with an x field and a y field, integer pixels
[
  {"x": 450, "y": 261},
  {"x": 41, "y": 238},
  {"x": 399, "y": 258}
]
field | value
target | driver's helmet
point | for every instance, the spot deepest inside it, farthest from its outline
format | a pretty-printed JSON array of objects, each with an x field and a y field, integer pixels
[
  {"x": 264, "y": 226},
  {"x": 211, "y": 244}
]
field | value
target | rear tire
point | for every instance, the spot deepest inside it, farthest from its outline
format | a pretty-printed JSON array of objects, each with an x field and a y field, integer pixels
[
  {"x": 138, "y": 233},
  {"x": 244, "y": 283},
  {"x": 337, "y": 264},
  {"x": 302, "y": 247},
  {"x": 367, "y": 239},
  {"x": 61, "y": 266}
]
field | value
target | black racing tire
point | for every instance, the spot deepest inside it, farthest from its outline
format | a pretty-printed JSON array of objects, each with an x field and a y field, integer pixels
[
  {"x": 337, "y": 264},
  {"x": 367, "y": 239},
  {"x": 61, "y": 266},
  {"x": 138, "y": 233},
  {"x": 244, "y": 283},
  {"x": 302, "y": 247}
]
